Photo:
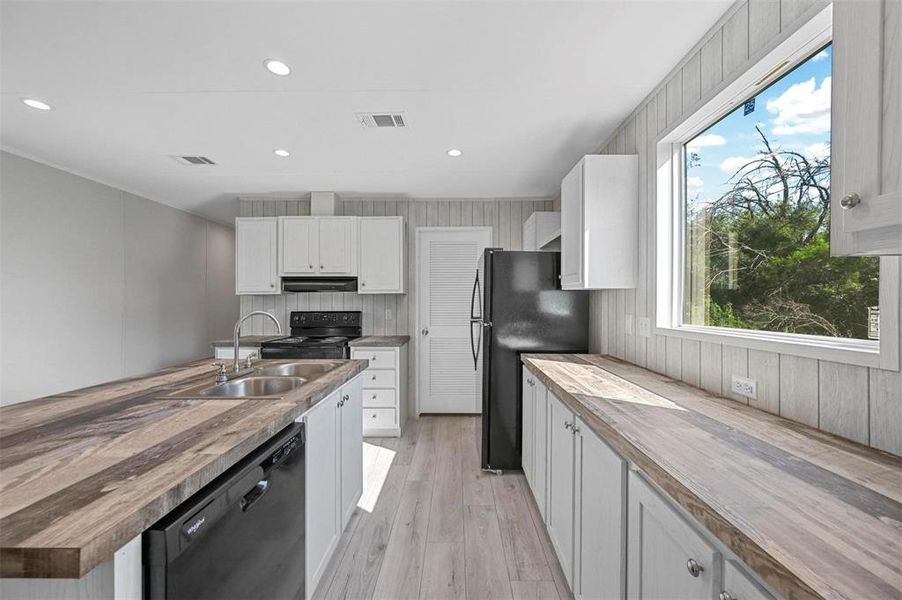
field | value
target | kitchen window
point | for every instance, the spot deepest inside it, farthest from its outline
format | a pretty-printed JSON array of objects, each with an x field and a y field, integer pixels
[{"x": 744, "y": 220}]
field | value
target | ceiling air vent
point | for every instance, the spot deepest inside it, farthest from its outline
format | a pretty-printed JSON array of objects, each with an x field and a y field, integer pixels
[
  {"x": 382, "y": 119},
  {"x": 193, "y": 160}
]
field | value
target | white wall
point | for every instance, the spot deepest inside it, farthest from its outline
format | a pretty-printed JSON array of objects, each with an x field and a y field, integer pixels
[
  {"x": 98, "y": 284},
  {"x": 858, "y": 403}
]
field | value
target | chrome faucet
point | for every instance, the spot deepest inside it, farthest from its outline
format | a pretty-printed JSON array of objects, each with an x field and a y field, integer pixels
[{"x": 237, "y": 364}]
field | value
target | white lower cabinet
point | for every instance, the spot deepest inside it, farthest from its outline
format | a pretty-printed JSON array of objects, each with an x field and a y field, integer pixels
[
  {"x": 737, "y": 585},
  {"x": 559, "y": 512},
  {"x": 667, "y": 557},
  {"x": 333, "y": 475},
  {"x": 384, "y": 410},
  {"x": 599, "y": 563},
  {"x": 614, "y": 534},
  {"x": 527, "y": 456}
]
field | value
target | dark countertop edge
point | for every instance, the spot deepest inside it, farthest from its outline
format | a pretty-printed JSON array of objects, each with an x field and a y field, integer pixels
[
  {"x": 245, "y": 341},
  {"x": 384, "y": 341},
  {"x": 70, "y": 563},
  {"x": 744, "y": 547}
]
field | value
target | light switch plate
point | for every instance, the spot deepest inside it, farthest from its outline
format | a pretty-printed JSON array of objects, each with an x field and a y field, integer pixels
[
  {"x": 644, "y": 327},
  {"x": 744, "y": 386},
  {"x": 629, "y": 324},
  {"x": 388, "y": 314}
]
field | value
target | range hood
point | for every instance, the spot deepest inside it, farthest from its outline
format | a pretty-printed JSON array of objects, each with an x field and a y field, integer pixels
[{"x": 319, "y": 284}]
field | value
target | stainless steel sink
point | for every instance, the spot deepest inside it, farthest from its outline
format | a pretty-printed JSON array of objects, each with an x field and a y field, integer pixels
[
  {"x": 254, "y": 387},
  {"x": 307, "y": 371}
]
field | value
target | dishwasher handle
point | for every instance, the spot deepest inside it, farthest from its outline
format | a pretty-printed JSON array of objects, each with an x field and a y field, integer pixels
[{"x": 257, "y": 492}]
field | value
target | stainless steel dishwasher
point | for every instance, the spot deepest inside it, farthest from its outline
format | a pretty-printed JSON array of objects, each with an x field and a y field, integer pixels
[{"x": 240, "y": 537}]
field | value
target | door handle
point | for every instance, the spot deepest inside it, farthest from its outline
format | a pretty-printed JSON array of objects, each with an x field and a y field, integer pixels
[{"x": 425, "y": 331}]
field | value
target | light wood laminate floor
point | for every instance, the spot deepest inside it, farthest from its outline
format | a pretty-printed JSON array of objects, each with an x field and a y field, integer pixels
[{"x": 432, "y": 525}]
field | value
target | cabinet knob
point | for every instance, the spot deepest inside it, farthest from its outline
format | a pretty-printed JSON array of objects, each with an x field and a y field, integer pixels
[
  {"x": 374, "y": 396},
  {"x": 850, "y": 201},
  {"x": 363, "y": 284},
  {"x": 574, "y": 429},
  {"x": 310, "y": 267},
  {"x": 272, "y": 285},
  {"x": 694, "y": 568},
  {"x": 373, "y": 416},
  {"x": 320, "y": 267},
  {"x": 567, "y": 425},
  {"x": 725, "y": 595}
]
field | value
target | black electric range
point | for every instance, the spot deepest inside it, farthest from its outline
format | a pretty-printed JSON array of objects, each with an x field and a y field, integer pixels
[{"x": 316, "y": 334}]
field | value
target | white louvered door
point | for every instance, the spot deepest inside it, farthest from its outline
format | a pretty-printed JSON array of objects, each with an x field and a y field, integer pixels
[{"x": 448, "y": 379}]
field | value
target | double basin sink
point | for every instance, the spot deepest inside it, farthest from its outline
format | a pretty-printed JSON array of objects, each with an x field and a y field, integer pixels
[{"x": 272, "y": 381}]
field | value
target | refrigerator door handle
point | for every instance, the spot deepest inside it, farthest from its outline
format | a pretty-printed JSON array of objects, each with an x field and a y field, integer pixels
[{"x": 476, "y": 295}]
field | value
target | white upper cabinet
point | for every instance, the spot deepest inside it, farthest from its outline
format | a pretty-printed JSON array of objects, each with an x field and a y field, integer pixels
[
  {"x": 256, "y": 251},
  {"x": 337, "y": 245},
  {"x": 318, "y": 245},
  {"x": 599, "y": 223},
  {"x": 382, "y": 253},
  {"x": 542, "y": 231},
  {"x": 866, "y": 178},
  {"x": 299, "y": 241}
]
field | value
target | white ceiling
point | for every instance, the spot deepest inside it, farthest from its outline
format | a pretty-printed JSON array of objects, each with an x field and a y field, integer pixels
[{"x": 523, "y": 88}]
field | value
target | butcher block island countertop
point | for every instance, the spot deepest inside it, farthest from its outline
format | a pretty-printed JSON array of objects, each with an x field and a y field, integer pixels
[
  {"x": 812, "y": 514},
  {"x": 83, "y": 473}
]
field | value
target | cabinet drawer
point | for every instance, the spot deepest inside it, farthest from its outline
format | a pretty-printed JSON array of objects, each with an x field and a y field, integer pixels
[
  {"x": 379, "y": 359},
  {"x": 376, "y": 378},
  {"x": 379, "y": 398},
  {"x": 376, "y": 418}
]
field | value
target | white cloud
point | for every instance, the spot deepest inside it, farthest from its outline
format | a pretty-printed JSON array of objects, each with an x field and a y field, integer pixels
[
  {"x": 732, "y": 164},
  {"x": 709, "y": 139},
  {"x": 822, "y": 55},
  {"x": 817, "y": 151},
  {"x": 694, "y": 183},
  {"x": 803, "y": 108}
]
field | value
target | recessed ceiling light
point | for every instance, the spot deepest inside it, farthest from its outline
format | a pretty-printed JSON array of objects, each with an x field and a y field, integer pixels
[
  {"x": 36, "y": 104},
  {"x": 281, "y": 152},
  {"x": 276, "y": 67},
  {"x": 454, "y": 152}
]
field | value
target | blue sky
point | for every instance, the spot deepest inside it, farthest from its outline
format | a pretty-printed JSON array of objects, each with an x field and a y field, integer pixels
[{"x": 794, "y": 113}]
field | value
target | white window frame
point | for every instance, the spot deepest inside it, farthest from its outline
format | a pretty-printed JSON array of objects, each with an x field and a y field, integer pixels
[{"x": 789, "y": 53}]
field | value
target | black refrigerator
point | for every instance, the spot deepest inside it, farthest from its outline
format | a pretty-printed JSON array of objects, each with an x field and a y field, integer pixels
[{"x": 517, "y": 306}]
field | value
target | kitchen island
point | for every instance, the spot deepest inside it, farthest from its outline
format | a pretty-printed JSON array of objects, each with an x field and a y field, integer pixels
[{"x": 84, "y": 473}]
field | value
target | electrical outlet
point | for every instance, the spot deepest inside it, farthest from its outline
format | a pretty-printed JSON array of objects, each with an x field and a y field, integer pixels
[
  {"x": 388, "y": 314},
  {"x": 744, "y": 386},
  {"x": 629, "y": 324},
  {"x": 644, "y": 327}
]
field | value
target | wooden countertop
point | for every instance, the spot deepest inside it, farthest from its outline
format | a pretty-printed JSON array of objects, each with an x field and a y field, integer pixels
[
  {"x": 83, "y": 473},
  {"x": 814, "y": 515},
  {"x": 380, "y": 340}
]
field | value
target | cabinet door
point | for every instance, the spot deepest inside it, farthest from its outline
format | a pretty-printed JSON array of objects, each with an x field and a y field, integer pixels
[
  {"x": 381, "y": 261},
  {"x": 571, "y": 229},
  {"x": 351, "y": 411},
  {"x": 529, "y": 233},
  {"x": 540, "y": 441},
  {"x": 560, "y": 484},
  {"x": 528, "y": 431},
  {"x": 299, "y": 241},
  {"x": 322, "y": 514},
  {"x": 665, "y": 551},
  {"x": 600, "y": 519},
  {"x": 337, "y": 246},
  {"x": 866, "y": 121},
  {"x": 737, "y": 585},
  {"x": 255, "y": 256}
]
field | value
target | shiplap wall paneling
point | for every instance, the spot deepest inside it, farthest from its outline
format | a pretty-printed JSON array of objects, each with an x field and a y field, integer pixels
[{"x": 865, "y": 404}]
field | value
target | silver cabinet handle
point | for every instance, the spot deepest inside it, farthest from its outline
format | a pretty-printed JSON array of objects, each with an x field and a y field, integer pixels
[
  {"x": 574, "y": 429},
  {"x": 425, "y": 331},
  {"x": 850, "y": 201},
  {"x": 725, "y": 595},
  {"x": 694, "y": 568},
  {"x": 567, "y": 425}
]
